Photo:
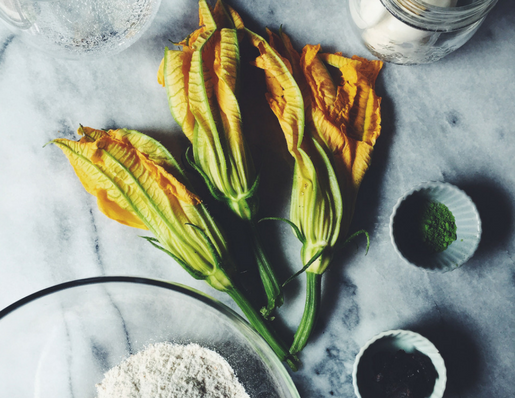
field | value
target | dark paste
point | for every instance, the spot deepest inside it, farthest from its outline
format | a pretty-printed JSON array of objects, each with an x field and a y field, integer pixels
[{"x": 403, "y": 375}]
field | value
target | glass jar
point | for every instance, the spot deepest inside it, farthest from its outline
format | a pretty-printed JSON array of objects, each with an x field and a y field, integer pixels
[{"x": 417, "y": 31}]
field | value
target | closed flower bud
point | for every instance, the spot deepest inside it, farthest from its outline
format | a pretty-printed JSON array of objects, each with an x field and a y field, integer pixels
[
  {"x": 202, "y": 83},
  {"x": 138, "y": 183}
]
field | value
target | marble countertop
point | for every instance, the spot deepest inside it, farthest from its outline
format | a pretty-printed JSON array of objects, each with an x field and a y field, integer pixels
[{"x": 448, "y": 121}]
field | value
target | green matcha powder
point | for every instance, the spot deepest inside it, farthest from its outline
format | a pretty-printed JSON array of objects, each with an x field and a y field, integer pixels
[{"x": 437, "y": 227}]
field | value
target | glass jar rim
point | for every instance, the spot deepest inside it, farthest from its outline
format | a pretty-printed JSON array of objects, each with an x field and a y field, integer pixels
[{"x": 424, "y": 16}]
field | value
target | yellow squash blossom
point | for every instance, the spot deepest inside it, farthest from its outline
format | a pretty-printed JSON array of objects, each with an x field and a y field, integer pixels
[
  {"x": 202, "y": 84},
  {"x": 138, "y": 183},
  {"x": 346, "y": 116},
  {"x": 316, "y": 207},
  {"x": 330, "y": 129}
]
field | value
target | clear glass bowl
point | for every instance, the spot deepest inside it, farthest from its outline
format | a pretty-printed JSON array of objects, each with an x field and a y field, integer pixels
[
  {"x": 417, "y": 31},
  {"x": 78, "y": 29},
  {"x": 60, "y": 341}
]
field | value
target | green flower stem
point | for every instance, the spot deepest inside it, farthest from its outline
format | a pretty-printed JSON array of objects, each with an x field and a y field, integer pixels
[
  {"x": 313, "y": 293},
  {"x": 268, "y": 278},
  {"x": 263, "y": 328}
]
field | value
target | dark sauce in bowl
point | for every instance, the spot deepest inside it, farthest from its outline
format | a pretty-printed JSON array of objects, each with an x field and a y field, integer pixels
[{"x": 403, "y": 375}]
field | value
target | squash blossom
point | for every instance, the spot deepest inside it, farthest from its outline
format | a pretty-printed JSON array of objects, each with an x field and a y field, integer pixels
[
  {"x": 202, "y": 85},
  {"x": 138, "y": 183},
  {"x": 330, "y": 129},
  {"x": 346, "y": 116}
]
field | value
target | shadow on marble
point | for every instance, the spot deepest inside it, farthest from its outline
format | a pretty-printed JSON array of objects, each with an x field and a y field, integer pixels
[
  {"x": 459, "y": 349},
  {"x": 251, "y": 22},
  {"x": 274, "y": 165},
  {"x": 485, "y": 36},
  {"x": 369, "y": 195},
  {"x": 496, "y": 210},
  {"x": 503, "y": 10},
  {"x": 172, "y": 139},
  {"x": 272, "y": 160}
]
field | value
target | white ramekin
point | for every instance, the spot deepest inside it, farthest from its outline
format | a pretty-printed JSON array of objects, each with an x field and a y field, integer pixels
[
  {"x": 394, "y": 340},
  {"x": 467, "y": 219}
]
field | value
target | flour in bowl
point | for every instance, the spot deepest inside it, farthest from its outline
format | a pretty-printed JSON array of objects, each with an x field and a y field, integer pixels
[{"x": 166, "y": 370}]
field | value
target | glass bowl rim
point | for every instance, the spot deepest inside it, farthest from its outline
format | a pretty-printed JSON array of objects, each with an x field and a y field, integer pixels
[
  {"x": 97, "y": 280},
  {"x": 244, "y": 327}
]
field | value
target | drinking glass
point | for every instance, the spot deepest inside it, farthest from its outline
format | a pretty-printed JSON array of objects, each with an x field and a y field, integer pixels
[{"x": 79, "y": 28}]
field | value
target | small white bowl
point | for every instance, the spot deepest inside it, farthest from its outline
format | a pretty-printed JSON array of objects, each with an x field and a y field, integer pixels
[
  {"x": 392, "y": 341},
  {"x": 468, "y": 226}
]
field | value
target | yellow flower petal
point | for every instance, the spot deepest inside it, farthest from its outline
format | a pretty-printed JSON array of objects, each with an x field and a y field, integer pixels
[
  {"x": 357, "y": 105},
  {"x": 207, "y": 144},
  {"x": 236, "y": 18},
  {"x": 226, "y": 67},
  {"x": 323, "y": 89},
  {"x": 160, "y": 73},
  {"x": 284, "y": 95},
  {"x": 206, "y": 16},
  {"x": 110, "y": 202},
  {"x": 176, "y": 77},
  {"x": 201, "y": 93}
]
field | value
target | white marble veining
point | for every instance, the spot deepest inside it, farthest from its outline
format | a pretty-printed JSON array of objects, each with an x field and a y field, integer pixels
[{"x": 448, "y": 121}]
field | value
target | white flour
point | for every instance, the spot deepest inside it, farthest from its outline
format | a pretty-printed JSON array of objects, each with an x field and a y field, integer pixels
[{"x": 168, "y": 370}]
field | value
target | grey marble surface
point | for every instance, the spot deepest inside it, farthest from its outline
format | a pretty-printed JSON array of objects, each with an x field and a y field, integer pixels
[{"x": 449, "y": 121}]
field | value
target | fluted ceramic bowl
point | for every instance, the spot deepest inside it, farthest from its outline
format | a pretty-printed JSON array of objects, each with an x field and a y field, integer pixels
[
  {"x": 468, "y": 226},
  {"x": 391, "y": 341},
  {"x": 59, "y": 342}
]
